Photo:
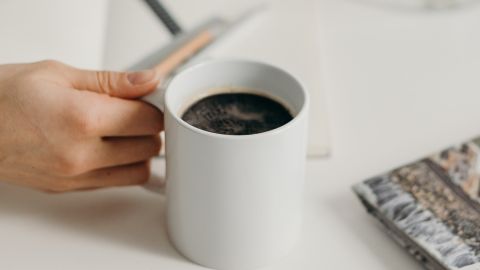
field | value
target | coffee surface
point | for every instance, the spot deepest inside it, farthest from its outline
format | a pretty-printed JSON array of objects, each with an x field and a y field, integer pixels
[{"x": 237, "y": 114}]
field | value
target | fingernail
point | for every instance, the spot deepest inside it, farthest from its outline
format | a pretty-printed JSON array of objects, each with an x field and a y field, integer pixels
[{"x": 141, "y": 77}]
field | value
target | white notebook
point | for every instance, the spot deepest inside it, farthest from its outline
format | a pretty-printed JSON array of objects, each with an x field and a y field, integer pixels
[{"x": 286, "y": 34}]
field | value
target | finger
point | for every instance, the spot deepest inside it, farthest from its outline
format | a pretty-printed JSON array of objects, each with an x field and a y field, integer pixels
[
  {"x": 111, "y": 152},
  {"x": 126, "y": 175},
  {"x": 115, "y": 84},
  {"x": 103, "y": 116}
]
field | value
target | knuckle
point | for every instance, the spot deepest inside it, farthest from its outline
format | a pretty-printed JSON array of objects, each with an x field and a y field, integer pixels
[
  {"x": 50, "y": 64},
  {"x": 65, "y": 167},
  {"x": 85, "y": 125},
  {"x": 82, "y": 121},
  {"x": 70, "y": 163}
]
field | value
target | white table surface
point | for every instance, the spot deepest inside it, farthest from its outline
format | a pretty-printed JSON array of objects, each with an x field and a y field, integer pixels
[{"x": 399, "y": 85}]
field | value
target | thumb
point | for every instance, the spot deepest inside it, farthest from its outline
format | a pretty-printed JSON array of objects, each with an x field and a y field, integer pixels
[{"x": 116, "y": 84}]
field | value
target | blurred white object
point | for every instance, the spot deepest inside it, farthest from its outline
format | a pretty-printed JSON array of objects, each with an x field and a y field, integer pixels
[
  {"x": 69, "y": 31},
  {"x": 425, "y": 4}
]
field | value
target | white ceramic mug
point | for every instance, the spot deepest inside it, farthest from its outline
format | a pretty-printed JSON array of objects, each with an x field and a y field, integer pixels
[{"x": 233, "y": 201}]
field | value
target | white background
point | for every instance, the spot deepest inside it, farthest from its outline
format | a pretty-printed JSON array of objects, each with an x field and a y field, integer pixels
[
  {"x": 70, "y": 31},
  {"x": 400, "y": 84}
]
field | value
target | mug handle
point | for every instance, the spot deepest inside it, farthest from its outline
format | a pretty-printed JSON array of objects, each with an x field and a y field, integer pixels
[{"x": 156, "y": 183}]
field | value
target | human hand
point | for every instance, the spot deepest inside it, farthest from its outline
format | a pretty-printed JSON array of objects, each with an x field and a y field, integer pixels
[{"x": 65, "y": 129}]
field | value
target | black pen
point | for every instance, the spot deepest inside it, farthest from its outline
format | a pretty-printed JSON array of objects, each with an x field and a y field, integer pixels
[{"x": 163, "y": 14}]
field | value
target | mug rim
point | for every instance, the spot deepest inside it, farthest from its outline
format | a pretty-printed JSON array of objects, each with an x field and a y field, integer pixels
[{"x": 303, "y": 110}]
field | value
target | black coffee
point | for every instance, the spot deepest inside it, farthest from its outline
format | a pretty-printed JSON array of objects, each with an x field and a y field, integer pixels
[{"x": 237, "y": 114}]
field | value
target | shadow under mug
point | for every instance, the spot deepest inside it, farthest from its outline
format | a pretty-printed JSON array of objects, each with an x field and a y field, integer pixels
[{"x": 233, "y": 201}]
